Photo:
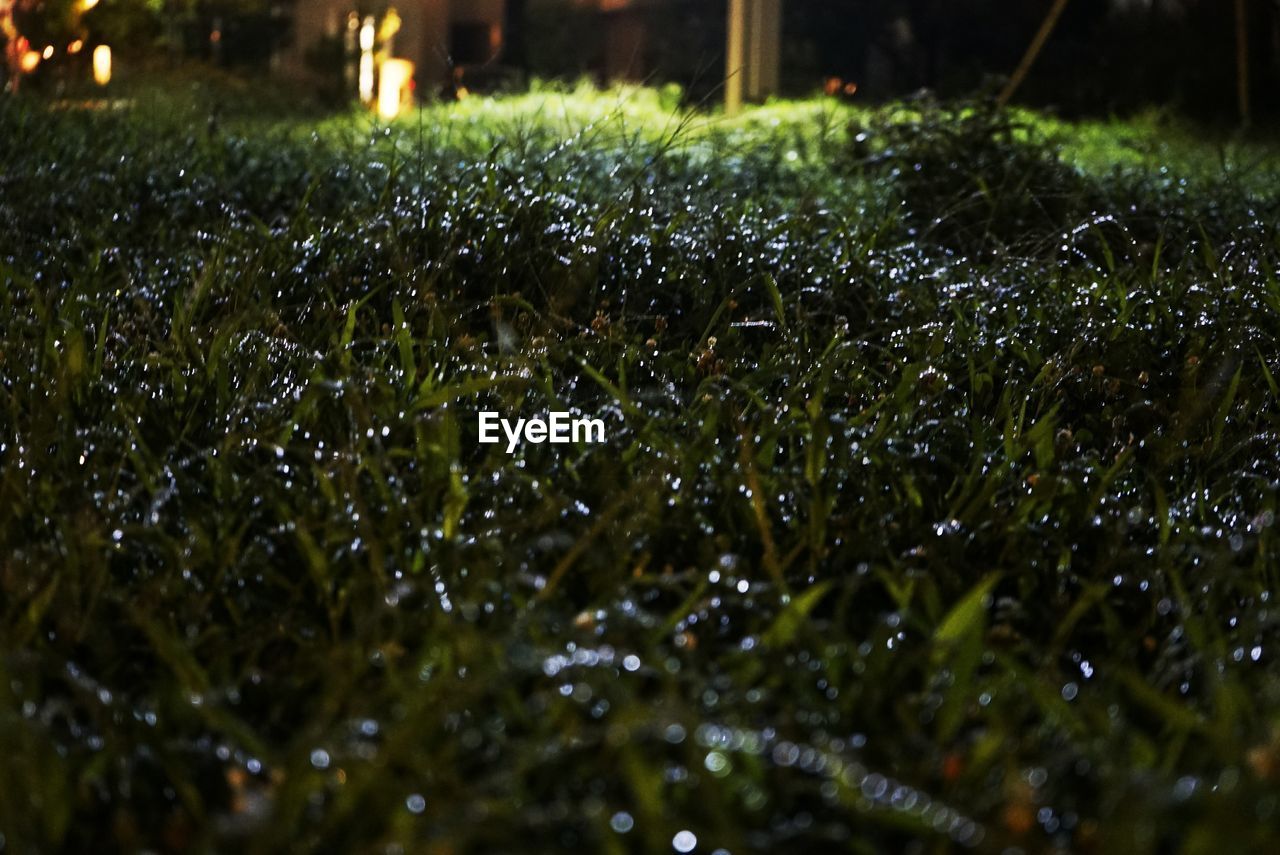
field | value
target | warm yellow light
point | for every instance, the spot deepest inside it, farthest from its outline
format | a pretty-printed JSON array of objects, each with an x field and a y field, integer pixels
[
  {"x": 29, "y": 61},
  {"x": 75, "y": 47},
  {"x": 88, "y": 4},
  {"x": 102, "y": 65},
  {"x": 390, "y": 25},
  {"x": 365, "y": 81},
  {"x": 47, "y": 53},
  {"x": 392, "y": 94}
]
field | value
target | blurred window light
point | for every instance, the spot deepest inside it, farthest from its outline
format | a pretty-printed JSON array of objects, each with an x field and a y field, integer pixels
[
  {"x": 390, "y": 25},
  {"x": 393, "y": 87},
  {"x": 366, "y": 60},
  {"x": 102, "y": 65}
]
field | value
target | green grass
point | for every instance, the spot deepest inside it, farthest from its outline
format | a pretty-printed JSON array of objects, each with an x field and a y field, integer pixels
[{"x": 937, "y": 506}]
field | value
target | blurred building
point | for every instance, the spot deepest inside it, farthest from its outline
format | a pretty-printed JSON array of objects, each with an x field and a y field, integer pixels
[
  {"x": 435, "y": 35},
  {"x": 650, "y": 41},
  {"x": 460, "y": 43},
  {"x": 1105, "y": 54},
  {"x": 734, "y": 41}
]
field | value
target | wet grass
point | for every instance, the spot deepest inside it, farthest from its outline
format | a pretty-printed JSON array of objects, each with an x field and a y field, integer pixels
[{"x": 937, "y": 507}]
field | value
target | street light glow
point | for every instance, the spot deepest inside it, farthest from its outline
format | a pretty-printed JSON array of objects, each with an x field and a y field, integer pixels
[
  {"x": 395, "y": 77},
  {"x": 102, "y": 65}
]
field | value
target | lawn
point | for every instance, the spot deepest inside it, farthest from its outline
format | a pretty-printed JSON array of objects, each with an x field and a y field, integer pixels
[{"x": 936, "y": 509}]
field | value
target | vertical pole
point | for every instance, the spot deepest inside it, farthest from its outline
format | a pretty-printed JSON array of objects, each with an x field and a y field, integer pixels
[
  {"x": 766, "y": 48},
  {"x": 1242, "y": 62},
  {"x": 735, "y": 57},
  {"x": 754, "y": 51}
]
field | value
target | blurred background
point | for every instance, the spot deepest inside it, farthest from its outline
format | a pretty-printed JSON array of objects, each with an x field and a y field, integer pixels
[{"x": 1104, "y": 56}]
